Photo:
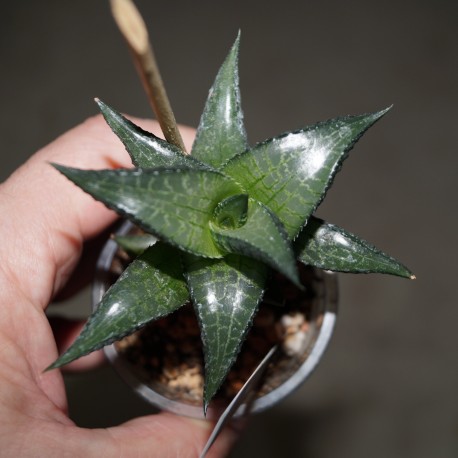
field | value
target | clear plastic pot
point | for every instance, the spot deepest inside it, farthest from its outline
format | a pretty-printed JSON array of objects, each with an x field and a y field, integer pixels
[{"x": 321, "y": 326}]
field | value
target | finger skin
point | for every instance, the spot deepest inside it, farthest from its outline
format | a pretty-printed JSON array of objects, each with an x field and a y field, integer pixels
[
  {"x": 159, "y": 436},
  {"x": 45, "y": 221}
]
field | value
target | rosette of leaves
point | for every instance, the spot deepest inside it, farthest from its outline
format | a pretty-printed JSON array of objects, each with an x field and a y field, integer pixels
[{"x": 224, "y": 217}]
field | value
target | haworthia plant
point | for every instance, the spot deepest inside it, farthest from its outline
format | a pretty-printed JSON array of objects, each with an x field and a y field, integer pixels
[{"x": 225, "y": 216}]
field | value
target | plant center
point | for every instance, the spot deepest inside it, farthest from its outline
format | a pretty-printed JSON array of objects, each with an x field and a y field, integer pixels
[{"x": 231, "y": 213}]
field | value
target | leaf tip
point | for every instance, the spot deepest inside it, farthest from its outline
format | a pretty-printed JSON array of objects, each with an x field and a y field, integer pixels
[
  {"x": 56, "y": 364},
  {"x": 206, "y": 403},
  {"x": 64, "y": 170},
  {"x": 404, "y": 272},
  {"x": 59, "y": 167},
  {"x": 100, "y": 104},
  {"x": 104, "y": 108},
  {"x": 50, "y": 368},
  {"x": 379, "y": 114},
  {"x": 293, "y": 276},
  {"x": 236, "y": 46}
]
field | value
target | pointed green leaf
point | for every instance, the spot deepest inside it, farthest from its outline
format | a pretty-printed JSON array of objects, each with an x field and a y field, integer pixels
[
  {"x": 221, "y": 133},
  {"x": 226, "y": 294},
  {"x": 152, "y": 286},
  {"x": 174, "y": 204},
  {"x": 145, "y": 149},
  {"x": 135, "y": 244},
  {"x": 329, "y": 247},
  {"x": 262, "y": 237},
  {"x": 291, "y": 173}
]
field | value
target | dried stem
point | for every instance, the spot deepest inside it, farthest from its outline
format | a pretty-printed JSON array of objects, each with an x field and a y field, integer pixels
[{"x": 135, "y": 33}]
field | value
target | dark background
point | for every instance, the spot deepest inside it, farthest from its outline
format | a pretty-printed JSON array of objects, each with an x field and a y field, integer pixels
[{"x": 387, "y": 385}]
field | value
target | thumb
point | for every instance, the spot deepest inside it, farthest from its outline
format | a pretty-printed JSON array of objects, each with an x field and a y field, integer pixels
[{"x": 162, "y": 435}]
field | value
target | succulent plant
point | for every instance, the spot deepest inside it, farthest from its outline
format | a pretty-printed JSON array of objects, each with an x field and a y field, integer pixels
[{"x": 224, "y": 217}]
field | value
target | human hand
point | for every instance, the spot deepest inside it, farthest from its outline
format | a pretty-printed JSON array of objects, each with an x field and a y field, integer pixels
[{"x": 45, "y": 222}]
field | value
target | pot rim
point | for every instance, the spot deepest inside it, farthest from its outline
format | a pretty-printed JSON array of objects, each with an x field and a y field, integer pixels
[{"x": 329, "y": 299}]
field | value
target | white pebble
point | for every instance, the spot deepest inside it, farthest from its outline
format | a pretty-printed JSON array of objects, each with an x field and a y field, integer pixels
[
  {"x": 294, "y": 343},
  {"x": 292, "y": 320}
]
